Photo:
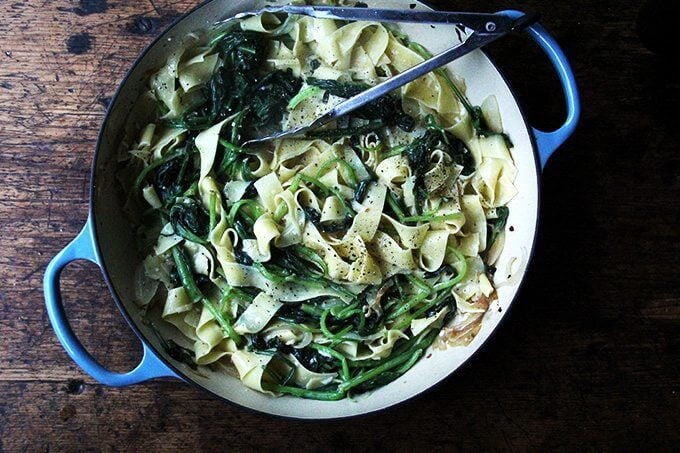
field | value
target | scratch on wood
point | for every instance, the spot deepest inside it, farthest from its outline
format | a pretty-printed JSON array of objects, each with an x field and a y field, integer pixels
[
  {"x": 155, "y": 8},
  {"x": 49, "y": 208}
]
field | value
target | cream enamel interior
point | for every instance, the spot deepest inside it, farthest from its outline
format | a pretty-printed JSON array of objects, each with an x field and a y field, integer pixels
[{"x": 117, "y": 247}]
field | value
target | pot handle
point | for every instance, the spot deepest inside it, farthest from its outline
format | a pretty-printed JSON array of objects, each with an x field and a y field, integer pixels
[
  {"x": 548, "y": 142},
  {"x": 82, "y": 247}
]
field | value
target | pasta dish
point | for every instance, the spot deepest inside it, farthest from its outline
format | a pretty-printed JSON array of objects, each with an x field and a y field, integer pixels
[{"x": 320, "y": 267}]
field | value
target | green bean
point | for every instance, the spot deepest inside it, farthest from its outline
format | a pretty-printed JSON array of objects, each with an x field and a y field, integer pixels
[
  {"x": 460, "y": 272},
  {"x": 395, "y": 206},
  {"x": 269, "y": 275},
  {"x": 309, "y": 394},
  {"x": 213, "y": 210},
  {"x": 313, "y": 257},
  {"x": 302, "y": 95},
  {"x": 279, "y": 276},
  {"x": 252, "y": 204},
  {"x": 341, "y": 311},
  {"x": 231, "y": 147},
  {"x": 311, "y": 310},
  {"x": 280, "y": 213},
  {"x": 392, "y": 302},
  {"x": 236, "y": 124},
  {"x": 299, "y": 326},
  {"x": 222, "y": 320},
  {"x": 432, "y": 124},
  {"x": 231, "y": 154},
  {"x": 323, "y": 283},
  {"x": 331, "y": 190},
  {"x": 343, "y": 387},
  {"x": 431, "y": 217},
  {"x": 418, "y": 313},
  {"x": 415, "y": 300},
  {"x": 237, "y": 294},
  {"x": 195, "y": 294},
  {"x": 418, "y": 282},
  {"x": 185, "y": 275},
  {"x": 370, "y": 374},
  {"x": 191, "y": 191},
  {"x": 394, "y": 151},
  {"x": 327, "y": 332},
  {"x": 407, "y": 366},
  {"x": 337, "y": 355},
  {"x": 351, "y": 175},
  {"x": 423, "y": 52},
  {"x": 152, "y": 166}
]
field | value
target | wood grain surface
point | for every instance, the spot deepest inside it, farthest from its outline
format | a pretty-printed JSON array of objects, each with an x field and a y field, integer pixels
[{"x": 587, "y": 359}]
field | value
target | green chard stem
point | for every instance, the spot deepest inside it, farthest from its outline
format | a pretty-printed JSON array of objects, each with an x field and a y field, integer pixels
[
  {"x": 423, "y": 52},
  {"x": 408, "y": 305},
  {"x": 252, "y": 204},
  {"x": 302, "y": 95},
  {"x": 309, "y": 394},
  {"x": 370, "y": 374},
  {"x": 213, "y": 210},
  {"x": 329, "y": 190},
  {"x": 185, "y": 275},
  {"x": 332, "y": 352},
  {"x": 431, "y": 217},
  {"x": 351, "y": 174},
  {"x": 313, "y": 257},
  {"x": 152, "y": 166}
]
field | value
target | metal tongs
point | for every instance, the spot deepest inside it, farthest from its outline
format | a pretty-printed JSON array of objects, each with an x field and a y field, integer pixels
[{"x": 480, "y": 29}]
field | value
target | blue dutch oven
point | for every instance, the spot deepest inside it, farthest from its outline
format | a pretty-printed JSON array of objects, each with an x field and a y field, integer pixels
[{"x": 107, "y": 239}]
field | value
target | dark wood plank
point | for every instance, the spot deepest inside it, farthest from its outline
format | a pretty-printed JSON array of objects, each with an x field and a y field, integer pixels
[{"x": 588, "y": 358}]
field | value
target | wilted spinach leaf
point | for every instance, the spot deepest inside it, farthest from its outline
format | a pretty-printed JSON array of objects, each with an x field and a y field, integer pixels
[{"x": 190, "y": 220}]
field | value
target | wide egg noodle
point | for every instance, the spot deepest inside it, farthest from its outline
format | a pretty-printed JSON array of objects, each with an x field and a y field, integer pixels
[
  {"x": 392, "y": 257},
  {"x": 419, "y": 325},
  {"x": 197, "y": 70},
  {"x": 475, "y": 224},
  {"x": 428, "y": 93},
  {"x": 287, "y": 334},
  {"x": 221, "y": 236},
  {"x": 178, "y": 310},
  {"x": 206, "y": 142},
  {"x": 393, "y": 171},
  {"x": 265, "y": 230},
  {"x": 211, "y": 342},
  {"x": 441, "y": 171},
  {"x": 268, "y": 187},
  {"x": 433, "y": 250},
  {"x": 294, "y": 220},
  {"x": 411, "y": 237},
  {"x": 167, "y": 239},
  {"x": 333, "y": 210},
  {"x": 258, "y": 314},
  {"x": 163, "y": 82},
  {"x": 251, "y": 368},
  {"x": 307, "y": 379},
  {"x": 339, "y": 49},
  {"x": 337, "y": 267},
  {"x": 367, "y": 219},
  {"x": 496, "y": 173}
]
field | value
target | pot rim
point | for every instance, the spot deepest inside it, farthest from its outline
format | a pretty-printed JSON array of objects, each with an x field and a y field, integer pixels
[{"x": 181, "y": 374}]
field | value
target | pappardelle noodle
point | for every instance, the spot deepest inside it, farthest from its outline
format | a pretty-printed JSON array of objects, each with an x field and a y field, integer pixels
[{"x": 321, "y": 267}]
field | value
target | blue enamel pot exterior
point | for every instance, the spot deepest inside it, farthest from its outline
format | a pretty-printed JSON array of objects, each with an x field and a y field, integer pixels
[{"x": 106, "y": 239}]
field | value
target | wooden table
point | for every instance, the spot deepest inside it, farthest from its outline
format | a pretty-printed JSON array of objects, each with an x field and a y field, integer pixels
[{"x": 588, "y": 358}]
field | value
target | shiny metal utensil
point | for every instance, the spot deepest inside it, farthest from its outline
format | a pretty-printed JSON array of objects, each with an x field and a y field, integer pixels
[{"x": 480, "y": 30}]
